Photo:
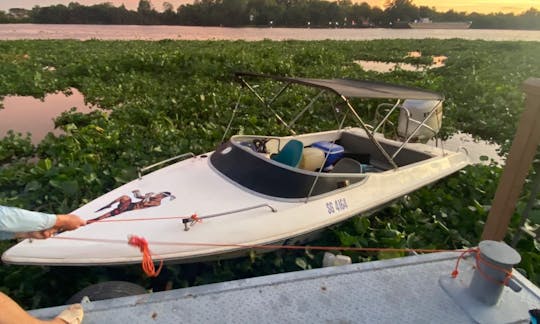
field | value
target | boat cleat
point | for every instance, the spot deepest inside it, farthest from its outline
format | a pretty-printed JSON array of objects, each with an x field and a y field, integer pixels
[{"x": 192, "y": 220}]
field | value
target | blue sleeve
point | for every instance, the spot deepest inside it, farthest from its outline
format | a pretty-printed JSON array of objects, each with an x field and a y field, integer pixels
[{"x": 15, "y": 220}]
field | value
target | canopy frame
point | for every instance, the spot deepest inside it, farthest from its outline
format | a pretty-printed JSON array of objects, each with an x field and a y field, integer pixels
[{"x": 345, "y": 89}]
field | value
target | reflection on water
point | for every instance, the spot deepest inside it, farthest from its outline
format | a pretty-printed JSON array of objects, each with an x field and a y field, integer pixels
[
  {"x": 474, "y": 148},
  {"x": 130, "y": 32},
  {"x": 27, "y": 114},
  {"x": 385, "y": 67}
]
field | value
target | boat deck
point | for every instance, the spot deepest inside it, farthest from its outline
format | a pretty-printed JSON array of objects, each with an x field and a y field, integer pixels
[{"x": 404, "y": 290}]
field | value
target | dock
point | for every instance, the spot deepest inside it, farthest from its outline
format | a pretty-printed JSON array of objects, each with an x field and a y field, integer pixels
[{"x": 405, "y": 290}]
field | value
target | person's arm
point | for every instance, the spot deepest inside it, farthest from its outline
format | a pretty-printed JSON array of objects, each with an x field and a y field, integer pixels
[
  {"x": 16, "y": 220},
  {"x": 21, "y": 223},
  {"x": 13, "y": 313}
]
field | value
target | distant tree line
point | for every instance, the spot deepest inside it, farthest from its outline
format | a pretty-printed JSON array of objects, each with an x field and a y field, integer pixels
[{"x": 279, "y": 13}]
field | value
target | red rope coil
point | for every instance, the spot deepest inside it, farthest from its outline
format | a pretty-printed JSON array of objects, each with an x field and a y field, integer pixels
[{"x": 147, "y": 262}]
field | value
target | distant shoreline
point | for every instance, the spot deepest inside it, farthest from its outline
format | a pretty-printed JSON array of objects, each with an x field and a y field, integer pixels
[{"x": 435, "y": 25}]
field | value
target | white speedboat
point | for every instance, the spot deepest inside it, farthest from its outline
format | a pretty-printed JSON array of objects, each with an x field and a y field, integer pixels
[
  {"x": 258, "y": 190},
  {"x": 426, "y": 23}
]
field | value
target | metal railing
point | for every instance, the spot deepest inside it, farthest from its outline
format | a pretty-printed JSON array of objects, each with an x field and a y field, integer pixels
[{"x": 178, "y": 157}]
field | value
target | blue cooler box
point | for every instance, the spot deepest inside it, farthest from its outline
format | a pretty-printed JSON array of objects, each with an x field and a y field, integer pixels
[{"x": 333, "y": 151}]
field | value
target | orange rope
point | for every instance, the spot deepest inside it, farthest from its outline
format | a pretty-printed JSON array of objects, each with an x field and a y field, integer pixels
[
  {"x": 105, "y": 220},
  {"x": 507, "y": 273},
  {"x": 456, "y": 272},
  {"x": 149, "y": 269},
  {"x": 273, "y": 247},
  {"x": 147, "y": 262},
  {"x": 148, "y": 265},
  {"x": 193, "y": 217},
  {"x": 196, "y": 218},
  {"x": 479, "y": 259}
]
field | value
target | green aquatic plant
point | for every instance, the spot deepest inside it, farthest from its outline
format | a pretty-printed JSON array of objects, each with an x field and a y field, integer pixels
[{"x": 160, "y": 99}]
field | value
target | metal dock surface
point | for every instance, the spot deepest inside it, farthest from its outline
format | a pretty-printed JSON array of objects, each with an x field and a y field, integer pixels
[{"x": 402, "y": 290}]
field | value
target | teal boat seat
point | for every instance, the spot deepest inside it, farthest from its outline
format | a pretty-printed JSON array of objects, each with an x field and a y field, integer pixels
[{"x": 290, "y": 154}]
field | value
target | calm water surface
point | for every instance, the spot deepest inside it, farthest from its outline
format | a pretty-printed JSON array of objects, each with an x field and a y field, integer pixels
[
  {"x": 24, "y": 114},
  {"x": 132, "y": 32}
]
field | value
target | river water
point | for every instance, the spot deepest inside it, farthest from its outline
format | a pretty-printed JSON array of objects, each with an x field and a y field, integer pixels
[
  {"x": 135, "y": 32},
  {"x": 24, "y": 114}
]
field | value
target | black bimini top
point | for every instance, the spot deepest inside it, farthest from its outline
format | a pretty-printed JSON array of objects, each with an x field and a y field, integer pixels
[{"x": 355, "y": 88}]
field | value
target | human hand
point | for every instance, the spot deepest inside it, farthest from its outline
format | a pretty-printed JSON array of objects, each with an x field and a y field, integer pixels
[
  {"x": 67, "y": 222},
  {"x": 37, "y": 234}
]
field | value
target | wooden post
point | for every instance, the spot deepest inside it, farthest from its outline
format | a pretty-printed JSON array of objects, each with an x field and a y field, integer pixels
[{"x": 517, "y": 165}]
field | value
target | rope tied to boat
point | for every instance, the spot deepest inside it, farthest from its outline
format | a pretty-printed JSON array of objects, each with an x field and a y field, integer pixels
[
  {"x": 478, "y": 258},
  {"x": 192, "y": 220},
  {"x": 149, "y": 269},
  {"x": 147, "y": 262},
  {"x": 195, "y": 219}
]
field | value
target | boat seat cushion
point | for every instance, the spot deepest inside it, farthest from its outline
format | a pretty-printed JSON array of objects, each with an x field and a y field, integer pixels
[
  {"x": 290, "y": 154},
  {"x": 312, "y": 159},
  {"x": 347, "y": 165}
]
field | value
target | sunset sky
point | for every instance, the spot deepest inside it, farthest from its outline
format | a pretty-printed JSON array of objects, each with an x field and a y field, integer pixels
[{"x": 480, "y": 6}]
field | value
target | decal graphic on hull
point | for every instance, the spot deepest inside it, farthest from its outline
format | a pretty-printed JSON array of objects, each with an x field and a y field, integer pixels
[{"x": 126, "y": 203}]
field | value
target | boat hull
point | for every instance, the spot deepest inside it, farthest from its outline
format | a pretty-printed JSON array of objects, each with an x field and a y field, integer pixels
[
  {"x": 440, "y": 25},
  {"x": 237, "y": 218}
]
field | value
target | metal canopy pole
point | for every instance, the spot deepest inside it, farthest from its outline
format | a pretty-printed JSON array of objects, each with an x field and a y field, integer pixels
[
  {"x": 385, "y": 118},
  {"x": 268, "y": 104},
  {"x": 306, "y": 108},
  {"x": 232, "y": 118},
  {"x": 371, "y": 137}
]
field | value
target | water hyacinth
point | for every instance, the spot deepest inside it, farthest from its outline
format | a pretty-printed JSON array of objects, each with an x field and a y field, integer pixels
[{"x": 161, "y": 99}]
